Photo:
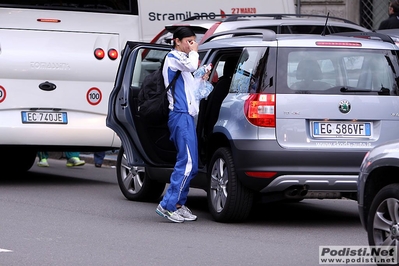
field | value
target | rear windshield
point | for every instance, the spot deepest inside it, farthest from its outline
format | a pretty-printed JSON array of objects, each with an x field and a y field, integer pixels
[{"x": 331, "y": 71}]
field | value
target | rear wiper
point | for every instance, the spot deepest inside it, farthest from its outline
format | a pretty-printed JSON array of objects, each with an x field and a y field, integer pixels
[
  {"x": 382, "y": 91},
  {"x": 352, "y": 89}
]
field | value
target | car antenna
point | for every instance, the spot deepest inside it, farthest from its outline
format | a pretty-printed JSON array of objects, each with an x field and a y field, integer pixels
[{"x": 323, "y": 33}]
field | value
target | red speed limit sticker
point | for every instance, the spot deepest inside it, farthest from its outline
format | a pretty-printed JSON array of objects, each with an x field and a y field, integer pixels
[
  {"x": 94, "y": 96},
  {"x": 2, "y": 94}
]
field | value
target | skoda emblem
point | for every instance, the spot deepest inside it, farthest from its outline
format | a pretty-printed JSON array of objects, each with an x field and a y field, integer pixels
[{"x": 344, "y": 106}]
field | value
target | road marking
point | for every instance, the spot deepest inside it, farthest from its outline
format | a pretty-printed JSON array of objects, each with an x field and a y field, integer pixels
[{"x": 5, "y": 250}]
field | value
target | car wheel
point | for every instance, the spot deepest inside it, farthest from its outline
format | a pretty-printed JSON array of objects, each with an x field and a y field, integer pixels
[
  {"x": 134, "y": 183},
  {"x": 383, "y": 219},
  {"x": 228, "y": 199}
]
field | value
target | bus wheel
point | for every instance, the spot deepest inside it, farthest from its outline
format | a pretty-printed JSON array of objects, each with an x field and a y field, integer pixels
[{"x": 18, "y": 159}]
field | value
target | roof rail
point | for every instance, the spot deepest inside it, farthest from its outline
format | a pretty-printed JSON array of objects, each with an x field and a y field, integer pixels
[
  {"x": 367, "y": 35},
  {"x": 234, "y": 17},
  {"x": 267, "y": 35}
]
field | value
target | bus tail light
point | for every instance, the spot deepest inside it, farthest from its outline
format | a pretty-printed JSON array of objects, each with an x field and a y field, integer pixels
[
  {"x": 260, "y": 108},
  {"x": 99, "y": 53},
  {"x": 112, "y": 54}
]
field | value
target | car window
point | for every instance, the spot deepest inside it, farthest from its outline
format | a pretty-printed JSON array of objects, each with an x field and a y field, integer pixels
[
  {"x": 335, "y": 29},
  {"x": 301, "y": 29},
  {"x": 246, "y": 76},
  {"x": 146, "y": 62},
  {"x": 319, "y": 70}
]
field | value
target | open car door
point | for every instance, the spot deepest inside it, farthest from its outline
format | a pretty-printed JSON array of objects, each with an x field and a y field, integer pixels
[{"x": 140, "y": 143}]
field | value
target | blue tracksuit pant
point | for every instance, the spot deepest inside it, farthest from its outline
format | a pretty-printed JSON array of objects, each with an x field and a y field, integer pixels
[{"x": 184, "y": 136}]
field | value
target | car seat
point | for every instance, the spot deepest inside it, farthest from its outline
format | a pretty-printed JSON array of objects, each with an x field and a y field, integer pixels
[{"x": 309, "y": 74}]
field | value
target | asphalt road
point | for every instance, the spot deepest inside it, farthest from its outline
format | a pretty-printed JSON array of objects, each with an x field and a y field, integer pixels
[{"x": 78, "y": 216}]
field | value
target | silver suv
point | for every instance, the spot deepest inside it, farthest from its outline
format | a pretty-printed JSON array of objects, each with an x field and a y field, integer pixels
[
  {"x": 204, "y": 26},
  {"x": 290, "y": 117}
]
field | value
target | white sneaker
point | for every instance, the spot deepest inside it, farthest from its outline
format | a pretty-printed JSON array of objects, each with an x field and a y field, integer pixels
[
  {"x": 186, "y": 213},
  {"x": 172, "y": 216}
]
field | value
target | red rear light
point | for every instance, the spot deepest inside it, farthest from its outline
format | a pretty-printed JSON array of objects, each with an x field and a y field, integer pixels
[
  {"x": 260, "y": 109},
  {"x": 112, "y": 54},
  {"x": 357, "y": 44},
  {"x": 99, "y": 53},
  {"x": 210, "y": 32},
  {"x": 261, "y": 174}
]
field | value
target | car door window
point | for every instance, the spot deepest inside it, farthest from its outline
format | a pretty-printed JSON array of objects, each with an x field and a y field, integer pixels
[
  {"x": 245, "y": 78},
  {"x": 147, "y": 62}
]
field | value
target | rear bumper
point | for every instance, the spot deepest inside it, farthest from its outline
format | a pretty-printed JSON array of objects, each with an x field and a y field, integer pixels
[
  {"x": 319, "y": 183},
  {"x": 82, "y": 130},
  {"x": 317, "y": 169}
]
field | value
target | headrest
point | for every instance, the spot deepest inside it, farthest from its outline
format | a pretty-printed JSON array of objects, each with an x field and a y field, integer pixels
[{"x": 308, "y": 70}]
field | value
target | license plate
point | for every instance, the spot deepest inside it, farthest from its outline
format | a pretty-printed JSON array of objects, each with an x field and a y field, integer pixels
[
  {"x": 44, "y": 117},
  {"x": 342, "y": 129}
]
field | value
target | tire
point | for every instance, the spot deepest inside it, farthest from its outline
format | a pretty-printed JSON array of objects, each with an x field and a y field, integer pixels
[
  {"x": 228, "y": 199},
  {"x": 134, "y": 183},
  {"x": 383, "y": 222},
  {"x": 18, "y": 159}
]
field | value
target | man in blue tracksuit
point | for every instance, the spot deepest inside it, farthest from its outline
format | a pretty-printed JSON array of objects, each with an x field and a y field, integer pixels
[{"x": 183, "y": 108}]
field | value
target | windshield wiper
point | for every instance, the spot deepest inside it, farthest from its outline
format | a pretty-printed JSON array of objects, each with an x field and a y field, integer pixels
[
  {"x": 382, "y": 91},
  {"x": 352, "y": 89}
]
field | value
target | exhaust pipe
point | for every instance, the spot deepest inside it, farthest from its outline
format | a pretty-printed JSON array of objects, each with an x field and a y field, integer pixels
[{"x": 296, "y": 192}]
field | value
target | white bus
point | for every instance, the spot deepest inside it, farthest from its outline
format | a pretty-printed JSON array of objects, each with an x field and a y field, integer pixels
[
  {"x": 58, "y": 60},
  {"x": 58, "y": 64}
]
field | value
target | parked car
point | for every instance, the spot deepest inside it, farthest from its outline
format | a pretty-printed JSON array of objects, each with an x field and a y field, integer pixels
[
  {"x": 393, "y": 33},
  {"x": 205, "y": 27},
  {"x": 292, "y": 119},
  {"x": 378, "y": 194}
]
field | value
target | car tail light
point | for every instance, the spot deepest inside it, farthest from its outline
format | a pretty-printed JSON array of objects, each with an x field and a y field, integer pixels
[
  {"x": 99, "y": 53},
  {"x": 112, "y": 54},
  {"x": 259, "y": 109}
]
